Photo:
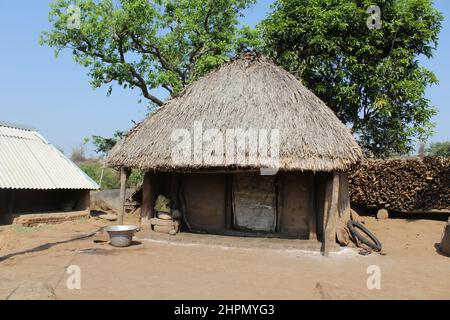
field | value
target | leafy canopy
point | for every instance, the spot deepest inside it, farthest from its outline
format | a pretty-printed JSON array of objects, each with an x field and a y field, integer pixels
[
  {"x": 371, "y": 78},
  {"x": 103, "y": 145},
  {"x": 147, "y": 44}
]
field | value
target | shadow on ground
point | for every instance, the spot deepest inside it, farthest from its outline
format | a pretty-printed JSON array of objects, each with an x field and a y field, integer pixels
[{"x": 46, "y": 246}]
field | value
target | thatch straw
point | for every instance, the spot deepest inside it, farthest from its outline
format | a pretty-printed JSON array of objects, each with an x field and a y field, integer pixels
[{"x": 250, "y": 91}]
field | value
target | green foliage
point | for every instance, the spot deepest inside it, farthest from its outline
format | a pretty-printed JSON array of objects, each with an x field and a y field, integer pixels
[
  {"x": 135, "y": 179},
  {"x": 111, "y": 177},
  {"x": 148, "y": 44},
  {"x": 371, "y": 78},
  {"x": 439, "y": 149},
  {"x": 248, "y": 39},
  {"x": 103, "y": 145}
]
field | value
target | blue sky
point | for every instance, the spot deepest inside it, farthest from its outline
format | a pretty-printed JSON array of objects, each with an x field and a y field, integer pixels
[{"x": 54, "y": 96}]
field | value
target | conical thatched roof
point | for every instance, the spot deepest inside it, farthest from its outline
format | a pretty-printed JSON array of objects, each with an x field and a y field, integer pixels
[{"x": 250, "y": 91}]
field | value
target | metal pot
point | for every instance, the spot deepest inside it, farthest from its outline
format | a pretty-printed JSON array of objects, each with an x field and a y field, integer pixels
[{"x": 121, "y": 235}]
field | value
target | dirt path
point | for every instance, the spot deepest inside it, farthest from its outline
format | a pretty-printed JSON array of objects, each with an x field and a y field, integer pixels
[{"x": 153, "y": 270}]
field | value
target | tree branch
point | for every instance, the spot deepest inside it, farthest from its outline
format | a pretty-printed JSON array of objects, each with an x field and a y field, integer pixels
[
  {"x": 154, "y": 50},
  {"x": 166, "y": 86},
  {"x": 140, "y": 81}
]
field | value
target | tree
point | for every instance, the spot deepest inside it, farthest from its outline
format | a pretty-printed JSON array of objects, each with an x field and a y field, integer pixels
[
  {"x": 147, "y": 44},
  {"x": 439, "y": 149},
  {"x": 103, "y": 145},
  {"x": 370, "y": 77},
  {"x": 78, "y": 154}
]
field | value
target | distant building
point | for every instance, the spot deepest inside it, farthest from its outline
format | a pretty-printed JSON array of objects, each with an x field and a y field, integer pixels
[{"x": 35, "y": 177}]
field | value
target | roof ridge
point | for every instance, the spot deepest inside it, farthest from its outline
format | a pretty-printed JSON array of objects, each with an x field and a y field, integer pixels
[{"x": 19, "y": 126}]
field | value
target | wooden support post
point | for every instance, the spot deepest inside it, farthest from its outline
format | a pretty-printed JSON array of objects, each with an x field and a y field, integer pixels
[
  {"x": 124, "y": 172},
  {"x": 331, "y": 213}
]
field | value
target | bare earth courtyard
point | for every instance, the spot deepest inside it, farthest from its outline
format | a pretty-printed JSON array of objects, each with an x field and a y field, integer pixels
[{"x": 33, "y": 264}]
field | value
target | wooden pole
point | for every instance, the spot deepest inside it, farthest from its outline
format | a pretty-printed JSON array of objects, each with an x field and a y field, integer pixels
[
  {"x": 123, "y": 185},
  {"x": 331, "y": 212}
]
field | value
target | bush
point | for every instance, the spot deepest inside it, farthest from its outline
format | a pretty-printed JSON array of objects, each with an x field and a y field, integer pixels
[
  {"x": 439, "y": 149},
  {"x": 111, "y": 177}
]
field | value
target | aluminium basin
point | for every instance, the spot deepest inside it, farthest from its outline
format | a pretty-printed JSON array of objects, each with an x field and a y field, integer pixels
[{"x": 121, "y": 235}]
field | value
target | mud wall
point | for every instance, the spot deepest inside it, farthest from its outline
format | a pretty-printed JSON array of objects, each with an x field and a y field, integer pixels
[
  {"x": 300, "y": 200},
  {"x": 205, "y": 200},
  {"x": 297, "y": 208}
]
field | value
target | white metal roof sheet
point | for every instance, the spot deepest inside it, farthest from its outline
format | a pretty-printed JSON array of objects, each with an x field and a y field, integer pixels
[{"x": 28, "y": 161}]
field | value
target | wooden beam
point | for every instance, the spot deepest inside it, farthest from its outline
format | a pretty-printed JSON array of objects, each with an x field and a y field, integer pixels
[
  {"x": 331, "y": 213},
  {"x": 124, "y": 173}
]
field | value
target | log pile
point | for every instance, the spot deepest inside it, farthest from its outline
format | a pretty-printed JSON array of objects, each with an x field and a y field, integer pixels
[{"x": 406, "y": 185}]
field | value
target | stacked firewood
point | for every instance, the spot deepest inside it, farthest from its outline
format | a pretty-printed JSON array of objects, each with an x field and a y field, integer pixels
[{"x": 406, "y": 185}]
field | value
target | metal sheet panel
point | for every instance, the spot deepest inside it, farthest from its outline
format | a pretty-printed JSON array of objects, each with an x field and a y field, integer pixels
[
  {"x": 254, "y": 202},
  {"x": 28, "y": 161}
]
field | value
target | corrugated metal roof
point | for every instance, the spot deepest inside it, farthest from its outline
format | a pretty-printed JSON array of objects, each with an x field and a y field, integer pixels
[{"x": 28, "y": 161}]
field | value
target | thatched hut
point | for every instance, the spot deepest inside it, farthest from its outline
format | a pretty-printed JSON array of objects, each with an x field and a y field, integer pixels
[{"x": 310, "y": 150}]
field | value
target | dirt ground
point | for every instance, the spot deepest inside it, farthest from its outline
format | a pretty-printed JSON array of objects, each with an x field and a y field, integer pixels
[{"x": 34, "y": 261}]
